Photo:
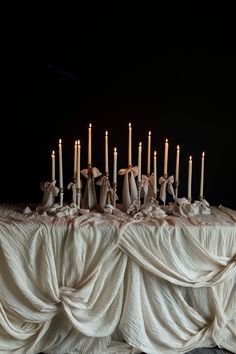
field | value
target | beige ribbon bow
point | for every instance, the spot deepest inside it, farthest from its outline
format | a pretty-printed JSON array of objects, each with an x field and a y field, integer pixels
[
  {"x": 129, "y": 192},
  {"x": 166, "y": 184},
  {"x": 107, "y": 194},
  {"x": 90, "y": 197},
  {"x": 147, "y": 188},
  {"x": 50, "y": 192}
]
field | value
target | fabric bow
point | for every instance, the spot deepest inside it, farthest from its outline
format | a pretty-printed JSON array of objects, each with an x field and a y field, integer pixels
[
  {"x": 90, "y": 198},
  {"x": 147, "y": 188},
  {"x": 203, "y": 206},
  {"x": 166, "y": 184},
  {"x": 50, "y": 192},
  {"x": 107, "y": 193},
  {"x": 129, "y": 192}
]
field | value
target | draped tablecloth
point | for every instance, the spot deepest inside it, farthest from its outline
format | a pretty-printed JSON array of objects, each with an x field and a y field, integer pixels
[{"x": 86, "y": 284}]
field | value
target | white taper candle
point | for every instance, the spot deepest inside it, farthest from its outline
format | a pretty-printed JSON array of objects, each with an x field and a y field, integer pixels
[
  {"x": 106, "y": 154},
  {"x": 202, "y": 176},
  {"x": 60, "y": 165},
  {"x": 140, "y": 162},
  {"x": 115, "y": 166},
  {"x": 53, "y": 165},
  {"x": 130, "y": 146},
  {"x": 166, "y": 158},
  {"x": 190, "y": 178},
  {"x": 90, "y": 145},
  {"x": 78, "y": 164},
  {"x": 155, "y": 172}
]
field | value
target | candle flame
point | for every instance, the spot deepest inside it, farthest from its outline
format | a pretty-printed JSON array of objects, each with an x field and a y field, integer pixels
[
  {"x": 90, "y": 125},
  {"x": 106, "y": 132},
  {"x": 78, "y": 142},
  {"x": 203, "y": 154},
  {"x": 60, "y": 141},
  {"x": 129, "y": 125},
  {"x": 166, "y": 140},
  {"x": 190, "y": 158},
  {"x": 115, "y": 149},
  {"x": 178, "y": 147},
  {"x": 53, "y": 152},
  {"x": 155, "y": 153},
  {"x": 140, "y": 144},
  {"x": 149, "y": 133}
]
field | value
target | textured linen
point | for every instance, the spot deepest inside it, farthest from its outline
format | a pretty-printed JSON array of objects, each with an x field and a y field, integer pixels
[{"x": 82, "y": 284}]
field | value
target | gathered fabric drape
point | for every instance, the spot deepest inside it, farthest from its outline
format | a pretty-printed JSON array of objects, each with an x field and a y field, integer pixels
[{"x": 100, "y": 283}]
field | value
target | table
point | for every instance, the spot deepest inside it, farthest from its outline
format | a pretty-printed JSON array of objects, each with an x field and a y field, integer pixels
[{"x": 99, "y": 283}]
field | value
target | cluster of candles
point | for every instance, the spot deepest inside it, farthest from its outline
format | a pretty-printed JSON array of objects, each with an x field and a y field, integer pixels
[{"x": 77, "y": 155}]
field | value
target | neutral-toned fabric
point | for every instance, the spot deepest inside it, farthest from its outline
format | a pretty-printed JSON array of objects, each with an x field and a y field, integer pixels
[{"x": 82, "y": 284}]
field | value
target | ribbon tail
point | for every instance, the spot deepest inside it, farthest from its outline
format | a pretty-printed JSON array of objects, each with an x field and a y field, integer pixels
[
  {"x": 125, "y": 192},
  {"x": 103, "y": 194},
  {"x": 133, "y": 188},
  {"x": 163, "y": 192},
  {"x": 90, "y": 198},
  {"x": 170, "y": 189}
]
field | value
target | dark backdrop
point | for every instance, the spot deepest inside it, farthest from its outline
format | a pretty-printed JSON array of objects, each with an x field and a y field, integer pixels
[{"x": 171, "y": 74}]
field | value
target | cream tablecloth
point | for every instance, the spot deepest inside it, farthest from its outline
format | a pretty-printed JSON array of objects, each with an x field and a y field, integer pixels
[{"x": 86, "y": 284}]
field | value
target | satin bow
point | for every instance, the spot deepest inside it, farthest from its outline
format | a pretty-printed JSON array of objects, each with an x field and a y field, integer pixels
[
  {"x": 50, "y": 192},
  {"x": 147, "y": 188},
  {"x": 107, "y": 194},
  {"x": 203, "y": 206},
  {"x": 166, "y": 184},
  {"x": 90, "y": 197},
  {"x": 129, "y": 192}
]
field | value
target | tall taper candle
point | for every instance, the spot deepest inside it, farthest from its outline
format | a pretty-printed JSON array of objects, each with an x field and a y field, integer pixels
[
  {"x": 177, "y": 165},
  {"x": 149, "y": 155},
  {"x": 140, "y": 162},
  {"x": 53, "y": 165},
  {"x": 75, "y": 161},
  {"x": 190, "y": 179},
  {"x": 115, "y": 166},
  {"x": 155, "y": 173},
  {"x": 166, "y": 158},
  {"x": 90, "y": 145},
  {"x": 106, "y": 154},
  {"x": 78, "y": 164},
  {"x": 130, "y": 146},
  {"x": 202, "y": 176},
  {"x": 60, "y": 165}
]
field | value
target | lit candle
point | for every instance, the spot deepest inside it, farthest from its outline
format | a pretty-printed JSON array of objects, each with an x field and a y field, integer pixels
[
  {"x": 190, "y": 179},
  {"x": 75, "y": 160},
  {"x": 166, "y": 158},
  {"x": 78, "y": 164},
  {"x": 115, "y": 166},
  {"x": 139, "y": 162},
  {"x": 130, "y": 146},
  {"x": 177, "y": 165},
  {"x": 106, "y": 154},
  {"x": 149, "y": 155},
  {"x": 53, "y": 165},
  {"x": 202, "y": 176},
  {"x": 60, "y": 165},
  {"x": 90, "y": 145},
  {"x": 155, "y": 172}
]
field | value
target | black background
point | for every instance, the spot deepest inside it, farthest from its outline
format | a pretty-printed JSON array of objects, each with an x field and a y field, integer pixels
[{"x": 171, "y": 71}]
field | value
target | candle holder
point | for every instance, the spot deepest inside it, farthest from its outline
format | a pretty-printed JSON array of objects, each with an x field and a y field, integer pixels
[
  {"x": 61, "y": 196},
  {"x": 201, "y": 204},
  {"x": 190, "y": 200},
  {"x": 114, "y": 193},
  {"x": 176, "y": 190},
  {"x": 139, "y": 194},
  {"x": 89, "y": 166},
  {"x": 78, "y": 197}
]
